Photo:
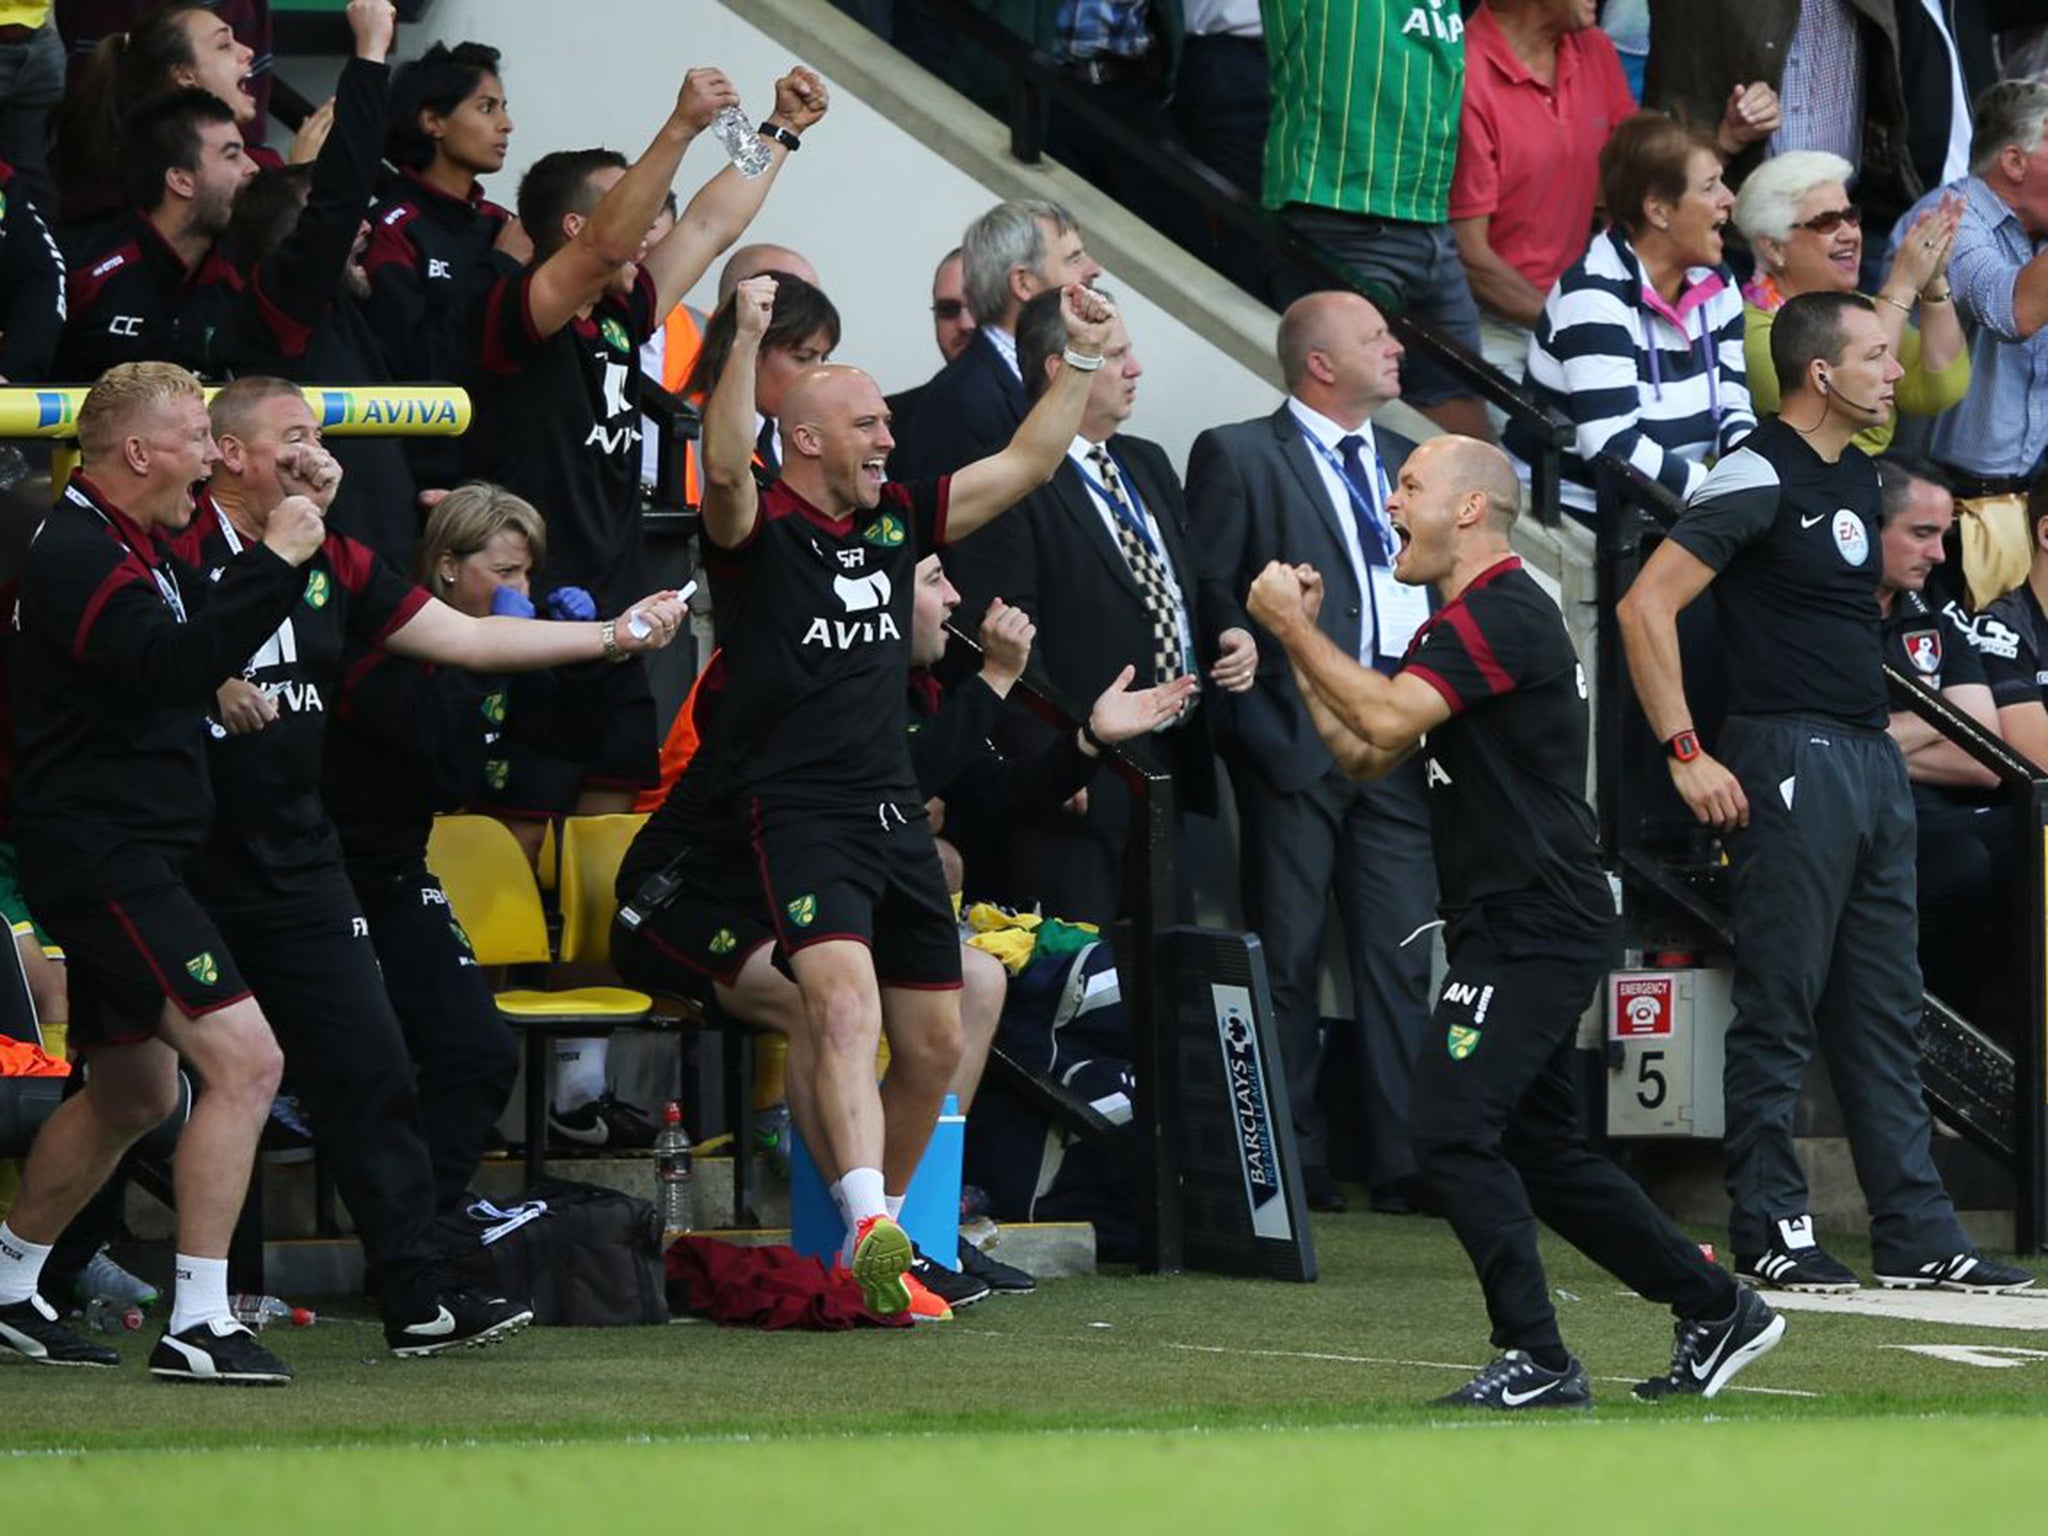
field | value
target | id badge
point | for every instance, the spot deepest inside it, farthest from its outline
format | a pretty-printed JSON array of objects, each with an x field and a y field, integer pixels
[{"x": 1398, "y": 611}]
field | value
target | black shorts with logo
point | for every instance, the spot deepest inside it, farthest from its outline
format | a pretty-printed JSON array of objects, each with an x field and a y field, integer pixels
[
  {"x": 130, "y": 953},
  {"x": 704, "y": 934},
  {"x": 871, "y": 876},
  {"x": 624, "y": 754}
]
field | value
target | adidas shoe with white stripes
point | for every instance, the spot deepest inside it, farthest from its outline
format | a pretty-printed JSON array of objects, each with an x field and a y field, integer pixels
[
  {"x": 1968, "y": 1272},
  {"x": 1795, "y": 1262}
]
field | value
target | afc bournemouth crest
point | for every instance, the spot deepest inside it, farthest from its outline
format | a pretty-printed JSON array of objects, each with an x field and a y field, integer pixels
[{"x": 1923, "y": 649}]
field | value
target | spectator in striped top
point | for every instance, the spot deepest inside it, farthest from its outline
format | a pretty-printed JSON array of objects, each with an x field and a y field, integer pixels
[
  {"x": 1640, "y": 343},
  {"x": 1808, "y": 237}
]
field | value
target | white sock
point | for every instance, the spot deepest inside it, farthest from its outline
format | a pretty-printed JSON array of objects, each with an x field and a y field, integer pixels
[
  {"x": 893, "y": 1205},
  {"x": 864, "y": 1198},
  {"x": 579, "y": 1071},
  {"x": 200, "y": 1292},
  {"x": 21, "y": 1266}
]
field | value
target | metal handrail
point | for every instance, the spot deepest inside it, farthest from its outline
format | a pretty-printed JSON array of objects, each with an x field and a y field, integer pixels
[
  {"x": 1631, "y": 505},
  {"x": 1036, "y": 78},
  {"x": 1143, "y": 974}
]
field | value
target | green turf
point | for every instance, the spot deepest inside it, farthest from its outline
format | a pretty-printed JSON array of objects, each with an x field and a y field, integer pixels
[{"x": 1395, "y": 1312}]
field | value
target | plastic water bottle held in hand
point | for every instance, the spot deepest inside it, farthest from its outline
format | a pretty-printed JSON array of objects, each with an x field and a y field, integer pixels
[
  {"x": 259, "y": 1312},
  {"x": 742, "y": 143},
  {"x": 673, "y": 1175}
]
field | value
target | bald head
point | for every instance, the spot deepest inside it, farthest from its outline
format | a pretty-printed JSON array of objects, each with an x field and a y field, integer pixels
[
  {"x": 749, "y": 260},
  {"x": 826, "y": 394},
  {"x": 1464, "y": 466},
  {"x": 1337, "y": 356}
]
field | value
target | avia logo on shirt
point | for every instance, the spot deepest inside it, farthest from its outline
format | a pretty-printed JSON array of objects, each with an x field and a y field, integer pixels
[
  {"x": 1434, "y": 22},
  {"x": 867, "y": 594},
  {"x": 803, "y": 911},
  {"x": 316, "y": 590},
  {"x": 202, "y": 968},
  {"x": 617, "y": 439},
  {"x": 1433, "y": 773}
]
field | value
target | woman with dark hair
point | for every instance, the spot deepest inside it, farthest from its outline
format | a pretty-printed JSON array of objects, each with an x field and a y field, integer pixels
[
  {"x": 433, "y": 232},
  {"x": 1640, "y": 344},
  {"x": 803, "y": 332},
  {"x": 181, "y": 43}
]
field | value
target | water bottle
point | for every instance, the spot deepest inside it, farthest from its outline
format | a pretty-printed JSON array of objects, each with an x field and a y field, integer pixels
[
  {"x": 103, "y": 1314},
  {"x": 742, "y": 142},
  {"x": 259, "y": 1312},
  {"x": 772, "y": 1136},
  {"x": 673, "y": 1175}
]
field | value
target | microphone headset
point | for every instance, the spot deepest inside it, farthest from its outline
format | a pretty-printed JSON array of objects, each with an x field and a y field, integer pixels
[{"x": 1826, "y": 387}]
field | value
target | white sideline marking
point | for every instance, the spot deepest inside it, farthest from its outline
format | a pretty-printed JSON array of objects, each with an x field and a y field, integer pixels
[
  {"x": 2026, "y": 1311},
  {"x": 1433, "y": 1365},
  {"x": 1992, "y": 1357}
]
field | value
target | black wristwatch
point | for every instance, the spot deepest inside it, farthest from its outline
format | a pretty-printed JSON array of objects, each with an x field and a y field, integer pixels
[{"x": 782, "y": 136}]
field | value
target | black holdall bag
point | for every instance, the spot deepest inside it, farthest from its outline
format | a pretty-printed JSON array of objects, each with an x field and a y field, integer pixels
[{"x": 586, "y": 1256}]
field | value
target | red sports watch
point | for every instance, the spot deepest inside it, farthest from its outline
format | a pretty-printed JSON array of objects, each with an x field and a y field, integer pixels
[{"x": 1685, "y": 746}]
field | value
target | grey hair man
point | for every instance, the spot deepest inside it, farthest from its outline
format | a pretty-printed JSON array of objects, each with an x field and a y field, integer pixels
[{"x": 972, "y": 406}]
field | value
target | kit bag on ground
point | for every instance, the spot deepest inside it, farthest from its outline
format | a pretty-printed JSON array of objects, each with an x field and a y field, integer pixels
[{"x": 586, "y": 1256}]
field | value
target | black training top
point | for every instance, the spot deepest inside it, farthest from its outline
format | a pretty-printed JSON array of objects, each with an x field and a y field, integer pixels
[
  {"x": 814, "y": 636},
  {"x": 2012, "y": 639},
  {"x": 1515, "y": 840},
  {"x": 1936, "y": 646},
  {"x": 131, "y": 300},
  {"x": 556, "y": 423},
  {"x": 116, "y": 656},
  {"x": 1794, "y": 542},
  {"x": 272, "y": 842}
]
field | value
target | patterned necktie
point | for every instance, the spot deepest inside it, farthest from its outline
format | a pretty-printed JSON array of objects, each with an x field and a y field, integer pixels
[
  {"x": 1370, "y": 544},
  {"x": 1153, "y": 585}
]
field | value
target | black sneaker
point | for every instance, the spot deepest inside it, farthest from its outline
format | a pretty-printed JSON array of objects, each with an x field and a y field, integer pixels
[
  {"x": 31, "y": 1329},
  {"x": 1515, "y": 1380},
  {"x": 1795, "y": 1262},
  {"x": 220, "y": 1353},
  {"x": 994, "y": 1273},
  {"x": 605, "y": 1121},
  {"x": 1708, "y": 1354},
  {"x": 1968, "y": 1272},
  {"x": 955, "y": 1287},
  {"x": 461, "y": 1320}
]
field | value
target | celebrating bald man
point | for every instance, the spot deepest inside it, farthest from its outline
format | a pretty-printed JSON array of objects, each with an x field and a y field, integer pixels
[
  {"x": 1490, "y": 683},
  {"x": 812, "y": 581}
]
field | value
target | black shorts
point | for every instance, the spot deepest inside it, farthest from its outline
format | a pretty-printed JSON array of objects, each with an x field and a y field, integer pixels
[
  {"x": 624, "y": 755},
  {"x": 871, "y": 876},
  {"x": 129, "y": 954},
  {"x": 704, "y": 934}
]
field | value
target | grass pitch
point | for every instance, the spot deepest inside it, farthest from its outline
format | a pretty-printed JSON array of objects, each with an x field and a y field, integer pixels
[{"x": 1185, "y": 1402}]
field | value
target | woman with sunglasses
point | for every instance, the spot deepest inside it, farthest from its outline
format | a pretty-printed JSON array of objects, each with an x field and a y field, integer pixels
[{"x": 1808, "y": 237}]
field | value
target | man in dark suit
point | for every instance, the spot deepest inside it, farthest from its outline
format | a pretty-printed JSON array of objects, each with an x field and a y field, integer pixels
[
  {"x": 1099, "y": 558},
  {"x": 972, "y": 406},
  {"x": 1310, "y": 483}
]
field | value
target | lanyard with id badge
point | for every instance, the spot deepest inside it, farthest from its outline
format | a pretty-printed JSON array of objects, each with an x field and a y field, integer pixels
[{"x": 1398, "y": 610}]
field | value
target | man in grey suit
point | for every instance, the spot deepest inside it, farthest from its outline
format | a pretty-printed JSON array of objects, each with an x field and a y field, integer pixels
[{"x": 1309, "y": 483}]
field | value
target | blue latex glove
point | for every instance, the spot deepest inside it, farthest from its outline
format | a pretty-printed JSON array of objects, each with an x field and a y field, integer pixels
[
  {"x": 511, "y": 603},
  {"x": 572, "y": 603}
]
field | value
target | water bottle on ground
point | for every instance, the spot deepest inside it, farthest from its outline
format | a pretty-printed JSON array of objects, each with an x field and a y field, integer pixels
[
  {"x": 741, "y": 141},
  {"x": 673, "y": 1175},
  {"x": 259, "y": 1312},
  {"x": 103, "y": 1314}
]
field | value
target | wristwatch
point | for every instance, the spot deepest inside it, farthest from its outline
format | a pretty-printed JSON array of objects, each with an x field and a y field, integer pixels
[{"x": 1685, "y": 746}]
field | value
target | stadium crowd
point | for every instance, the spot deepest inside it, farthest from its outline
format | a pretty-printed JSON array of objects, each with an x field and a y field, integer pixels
[{"x": 248, "y": 666}]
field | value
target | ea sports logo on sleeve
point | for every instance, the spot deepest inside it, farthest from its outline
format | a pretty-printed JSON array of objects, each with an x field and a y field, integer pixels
[{"x": 1851, "y": 538}]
